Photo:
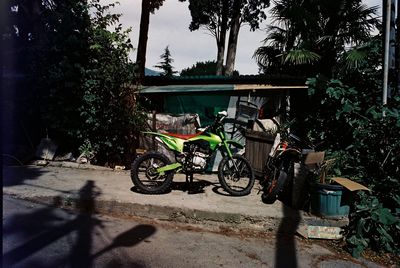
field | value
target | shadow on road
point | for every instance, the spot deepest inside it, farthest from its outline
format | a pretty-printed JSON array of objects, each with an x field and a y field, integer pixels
[
  {"x": 45, "y": 229},
  {"x": 285, "y": 255}
]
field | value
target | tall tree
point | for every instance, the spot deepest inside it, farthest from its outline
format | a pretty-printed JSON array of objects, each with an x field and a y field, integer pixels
[
  {"x": 249, "y": 12},
  {"x": 166, "y": 64},
  {"x": 20, "y": 31},
  {"x": 233, "y": 36},
  {"x": 213, "y": 16},
  {"x": 218, "y": 17},
  {"x": 148, "y": 6}
]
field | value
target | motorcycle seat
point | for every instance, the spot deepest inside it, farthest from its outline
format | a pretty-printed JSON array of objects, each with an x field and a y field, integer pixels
[{"x": 184, "y": 136}]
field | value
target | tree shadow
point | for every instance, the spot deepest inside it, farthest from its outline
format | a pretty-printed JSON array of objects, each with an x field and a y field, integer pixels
[
  {"x": 17, "y": 175},
  {"x": 129, "y": 238},
  {"x": 43, "y": 227},
  {"x": 44, "y": 223},
  {"x": 285, "y": 250}
]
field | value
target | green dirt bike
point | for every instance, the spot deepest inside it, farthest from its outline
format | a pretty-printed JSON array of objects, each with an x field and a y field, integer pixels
[{"x": 152, "y": 173}]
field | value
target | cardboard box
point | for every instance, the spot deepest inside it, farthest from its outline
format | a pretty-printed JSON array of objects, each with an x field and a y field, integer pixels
[
  {"x": 349, "y": 184},
  {"x": 314, "y": 158}
]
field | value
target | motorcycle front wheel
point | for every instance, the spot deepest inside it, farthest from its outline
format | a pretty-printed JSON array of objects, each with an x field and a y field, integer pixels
[
  {"x": 144, "y": 173},
  {"x": 236, "y": 175}
]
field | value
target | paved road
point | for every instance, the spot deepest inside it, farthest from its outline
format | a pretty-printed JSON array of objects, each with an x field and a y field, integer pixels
[{"x": 41, "y": 236}]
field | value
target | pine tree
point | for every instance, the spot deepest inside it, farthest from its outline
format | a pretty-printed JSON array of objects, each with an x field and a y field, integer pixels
[{"x": 165, "y": 64}]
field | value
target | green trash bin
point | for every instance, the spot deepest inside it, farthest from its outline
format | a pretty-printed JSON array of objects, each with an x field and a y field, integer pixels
[{"x": 329, "y": 200}]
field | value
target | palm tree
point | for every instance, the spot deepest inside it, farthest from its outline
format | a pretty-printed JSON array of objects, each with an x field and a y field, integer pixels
[{"x": 315, "y": 33}]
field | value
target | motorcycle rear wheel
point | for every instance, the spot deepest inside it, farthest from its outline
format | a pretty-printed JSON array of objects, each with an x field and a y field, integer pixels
[
  {"x": 236, "y": 182},
  {"x": 277, "y": 182},
  {"x": 271, "y": 193},
  {"x": 145, "y": 177},
  {"x": 276, "y": 185}
]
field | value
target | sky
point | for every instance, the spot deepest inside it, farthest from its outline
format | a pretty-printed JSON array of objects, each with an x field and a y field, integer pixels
[{"x": 169, "y": 26}]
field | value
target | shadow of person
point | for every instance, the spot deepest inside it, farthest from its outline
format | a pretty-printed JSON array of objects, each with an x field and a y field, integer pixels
[
  {"x": 81, "y": 251},
  {"x": 130, "y": 238},
  {"x": 285, "y": 250}
]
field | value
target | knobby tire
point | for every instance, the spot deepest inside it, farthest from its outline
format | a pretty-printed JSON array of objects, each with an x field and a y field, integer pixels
[
  {"x": 270, "y": 195},
  {"x": 225, "y": 172},
  {"x": 139, "y": 183}
]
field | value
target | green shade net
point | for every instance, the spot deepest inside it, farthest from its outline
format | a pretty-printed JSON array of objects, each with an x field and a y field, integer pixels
[{"x": 206, "y": 106}]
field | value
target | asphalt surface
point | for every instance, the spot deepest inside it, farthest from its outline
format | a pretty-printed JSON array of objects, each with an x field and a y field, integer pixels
[{"x": 42, "y": 236}]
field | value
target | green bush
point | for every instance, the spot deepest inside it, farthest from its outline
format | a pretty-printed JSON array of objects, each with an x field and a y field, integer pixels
[
  {"x": 373, "y": 225},
  {"x": 363, "y": 136},
  {"x": 87, "y": 82}
]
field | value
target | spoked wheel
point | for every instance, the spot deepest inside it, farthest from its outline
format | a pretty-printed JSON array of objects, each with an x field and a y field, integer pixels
[
  {"x": 236, "y": 175},
  {"x": 144, "y": 173},
  {"x": 276, "y": 182}
]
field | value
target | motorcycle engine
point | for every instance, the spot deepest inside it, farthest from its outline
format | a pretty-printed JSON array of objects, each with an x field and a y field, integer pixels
[
  {"x": 196, "y": 154},
  {"x": 199, "y": 160}
]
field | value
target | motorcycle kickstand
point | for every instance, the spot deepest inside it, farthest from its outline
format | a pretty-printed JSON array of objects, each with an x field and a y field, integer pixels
[
  {"x": 189, "y": 178},
  {"x": 189, "y": 181}
]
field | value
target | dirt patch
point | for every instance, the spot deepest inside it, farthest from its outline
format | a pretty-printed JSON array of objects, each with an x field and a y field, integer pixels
[{"x": 339, "y": 247}]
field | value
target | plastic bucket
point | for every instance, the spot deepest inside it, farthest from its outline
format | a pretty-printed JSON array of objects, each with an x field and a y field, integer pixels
[{"x": 328, "y": 200}]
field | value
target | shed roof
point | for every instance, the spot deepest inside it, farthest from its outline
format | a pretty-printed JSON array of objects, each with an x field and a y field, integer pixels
[
  {"x": 159, "y": 84},
  {"x": 214, "y": 88},
  {"x": 276, "y": 80}
]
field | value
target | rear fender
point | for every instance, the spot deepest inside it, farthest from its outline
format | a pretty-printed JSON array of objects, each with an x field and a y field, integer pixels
[{"x": 291, "y": 154}]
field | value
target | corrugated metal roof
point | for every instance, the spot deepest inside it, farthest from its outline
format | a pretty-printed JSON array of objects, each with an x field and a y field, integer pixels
[
  {"x": 213, "y": 88},
  {"x": 276, "y": 80},
  {"x": 186, "y": 88}
]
